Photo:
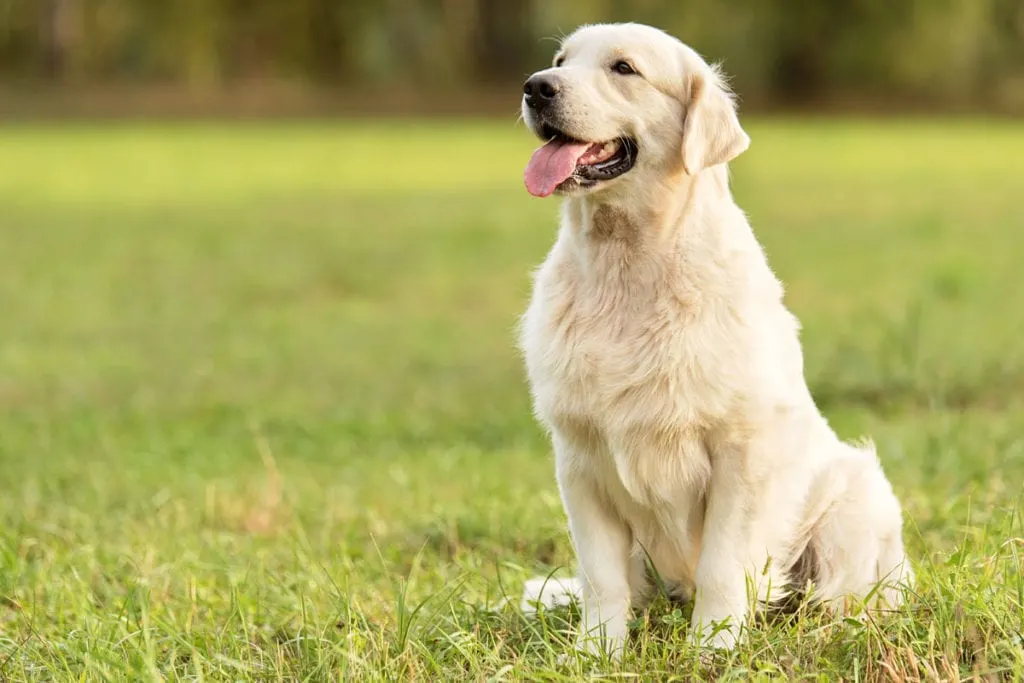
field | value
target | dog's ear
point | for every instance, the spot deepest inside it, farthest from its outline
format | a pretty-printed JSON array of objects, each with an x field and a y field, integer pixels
[{"x": 712, "y": 133}]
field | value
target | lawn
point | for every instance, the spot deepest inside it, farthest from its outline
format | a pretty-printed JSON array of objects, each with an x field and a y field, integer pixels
[{"x": 262, "y": 417}]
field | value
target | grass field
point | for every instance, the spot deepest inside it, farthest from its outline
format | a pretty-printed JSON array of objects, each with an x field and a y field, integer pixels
[{"x": 262, "y": 417}]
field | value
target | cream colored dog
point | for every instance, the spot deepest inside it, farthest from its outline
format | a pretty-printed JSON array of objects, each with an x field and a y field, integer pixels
[{"x": 666, "y": 367}]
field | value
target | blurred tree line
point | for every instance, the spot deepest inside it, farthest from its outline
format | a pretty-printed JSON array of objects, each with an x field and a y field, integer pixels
[{"x": 778, "y": 51}]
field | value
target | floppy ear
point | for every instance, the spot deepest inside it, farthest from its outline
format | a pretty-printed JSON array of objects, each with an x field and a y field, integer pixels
[{"x": 711, "y": 131}]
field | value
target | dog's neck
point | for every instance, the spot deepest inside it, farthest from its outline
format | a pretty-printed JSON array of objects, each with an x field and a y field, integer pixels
[
  {"x": 685, "y": 224},
  {"x": 648, "y": 217}
]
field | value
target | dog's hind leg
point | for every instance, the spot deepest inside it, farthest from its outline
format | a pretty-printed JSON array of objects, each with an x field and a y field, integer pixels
[{"x": 857, "y": 543}]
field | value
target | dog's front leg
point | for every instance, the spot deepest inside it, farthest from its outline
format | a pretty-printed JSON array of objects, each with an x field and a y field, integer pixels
[
  {"x": 733, "y": 557},
  {"x": 602, "y": 541}
]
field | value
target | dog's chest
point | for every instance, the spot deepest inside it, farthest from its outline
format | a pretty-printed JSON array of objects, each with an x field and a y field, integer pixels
[
  {"x": 631, "y": 379},
  {"x": 621, "y": 358},
  {"x": 628, "y": 390}
]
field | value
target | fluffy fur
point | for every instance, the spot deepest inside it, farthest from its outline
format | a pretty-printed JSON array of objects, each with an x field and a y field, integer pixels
[{"x": 669, "y": 373}]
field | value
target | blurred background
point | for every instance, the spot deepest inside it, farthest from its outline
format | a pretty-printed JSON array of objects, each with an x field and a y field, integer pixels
[
  {"x": 262, "y": 56},
  {"x": 261, "y": 263}
]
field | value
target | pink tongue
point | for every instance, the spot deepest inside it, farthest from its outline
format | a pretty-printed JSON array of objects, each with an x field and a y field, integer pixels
[{"x": 551, "y": 165}]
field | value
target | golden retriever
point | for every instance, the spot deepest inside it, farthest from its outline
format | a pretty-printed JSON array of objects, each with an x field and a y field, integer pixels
[{"x": 666, "y": 367}]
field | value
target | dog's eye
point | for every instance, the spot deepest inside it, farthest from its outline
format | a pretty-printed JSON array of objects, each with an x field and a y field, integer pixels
[
  {"x": 560, "y": 61},
  {"x": 623, "y": 67}
]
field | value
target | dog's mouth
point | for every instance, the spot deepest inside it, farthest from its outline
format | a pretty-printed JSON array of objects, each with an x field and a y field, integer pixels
[{"x": 565, "y": 163}]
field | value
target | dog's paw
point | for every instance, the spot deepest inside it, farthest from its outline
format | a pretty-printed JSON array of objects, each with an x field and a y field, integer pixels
[
  {"x": 549, "y": 592},
  {"x": 714, "y": 637},
  {"x": 593, "y": 646}
]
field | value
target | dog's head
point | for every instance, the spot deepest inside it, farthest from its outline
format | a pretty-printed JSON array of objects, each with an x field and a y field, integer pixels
[{"x": 623, "y": 104}]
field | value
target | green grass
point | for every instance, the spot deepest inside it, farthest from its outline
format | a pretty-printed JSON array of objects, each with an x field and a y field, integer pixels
[{"x": 261, "y": 416}]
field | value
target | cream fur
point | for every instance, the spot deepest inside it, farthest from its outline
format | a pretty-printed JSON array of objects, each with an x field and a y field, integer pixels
[{"x": 669, "y": 373}]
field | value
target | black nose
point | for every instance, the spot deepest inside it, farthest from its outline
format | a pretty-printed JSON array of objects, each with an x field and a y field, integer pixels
[{"x": 539, "y": 91}]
